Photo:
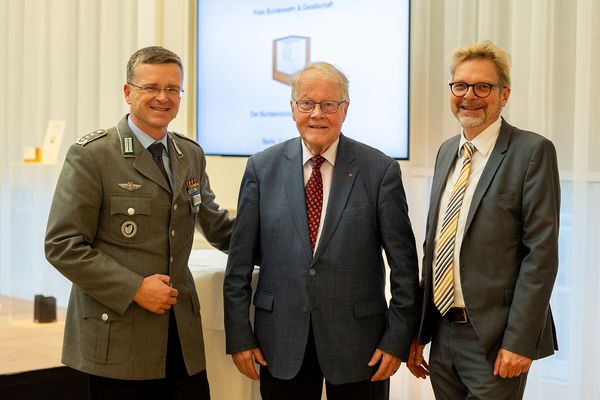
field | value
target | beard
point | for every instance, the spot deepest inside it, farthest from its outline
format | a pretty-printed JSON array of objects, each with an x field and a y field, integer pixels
[
  {"x": 487, "y": 116},
  {"x": 471, "y": 121}
]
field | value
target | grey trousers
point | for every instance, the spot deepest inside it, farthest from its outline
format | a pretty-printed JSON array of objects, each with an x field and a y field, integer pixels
[{"x": 459, "y": 369}]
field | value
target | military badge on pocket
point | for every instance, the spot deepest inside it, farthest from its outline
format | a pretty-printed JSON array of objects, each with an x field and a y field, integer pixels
[{"x": 129, "y": 229}]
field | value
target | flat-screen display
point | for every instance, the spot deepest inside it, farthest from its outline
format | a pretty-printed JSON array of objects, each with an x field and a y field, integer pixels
[{"x": 247, "y": 51}]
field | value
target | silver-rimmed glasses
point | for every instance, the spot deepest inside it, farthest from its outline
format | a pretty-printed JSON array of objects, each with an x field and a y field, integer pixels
[
  {"x": 171, "y": 92},
  {"x": 328, "y": 107}
]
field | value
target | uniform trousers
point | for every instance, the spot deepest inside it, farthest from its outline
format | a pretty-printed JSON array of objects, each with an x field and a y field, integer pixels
[
  {"x": 459, "y": 369},
  {"x": 177, "y": 384},
  {"x": 308, "y": 383}
]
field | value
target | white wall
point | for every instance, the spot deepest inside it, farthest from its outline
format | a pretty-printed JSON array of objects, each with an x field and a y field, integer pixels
[{"x": 65, "y": 59}]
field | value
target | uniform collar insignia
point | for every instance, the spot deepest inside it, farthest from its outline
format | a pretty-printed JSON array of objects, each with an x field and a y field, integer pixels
[{"x": 176, "y": 147}]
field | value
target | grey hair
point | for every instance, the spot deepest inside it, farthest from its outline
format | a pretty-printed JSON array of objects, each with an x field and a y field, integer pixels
[{"x": 327, "y": 71}]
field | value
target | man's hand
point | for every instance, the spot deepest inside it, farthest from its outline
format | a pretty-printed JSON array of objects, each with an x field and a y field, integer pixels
[
  {"x": 416, "y": 363},
  {"x": 244, "y": 361},
  {"x": 511, "y": 365},
  {"x": 155, "y": 294},
  {"x": 388, "y": 367}
]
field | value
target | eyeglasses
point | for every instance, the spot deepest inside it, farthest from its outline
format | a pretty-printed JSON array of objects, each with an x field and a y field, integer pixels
[
  {"x": 171, "y": 92},
  {"x": 481, "y": 89},
  {"x": 328, "y": 107}
]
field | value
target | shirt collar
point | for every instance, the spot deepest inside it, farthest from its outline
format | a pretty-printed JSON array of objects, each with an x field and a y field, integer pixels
[
  {"x": 145, "y": 139},
  {"x": 329, "y": 154},
  {"x": 484, "y": 142}
]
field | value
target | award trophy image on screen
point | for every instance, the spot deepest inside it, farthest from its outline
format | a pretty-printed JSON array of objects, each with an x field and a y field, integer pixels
[{"x": 290, "y": 55}]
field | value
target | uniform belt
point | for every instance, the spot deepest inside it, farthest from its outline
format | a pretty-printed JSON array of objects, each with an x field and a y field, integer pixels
[{"x": 456, "y": 315}]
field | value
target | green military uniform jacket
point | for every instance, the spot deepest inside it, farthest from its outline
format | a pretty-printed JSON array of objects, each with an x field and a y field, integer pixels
[{"x": 113, "y": 222}]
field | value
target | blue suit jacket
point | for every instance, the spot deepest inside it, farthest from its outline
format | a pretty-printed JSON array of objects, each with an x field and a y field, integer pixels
[{"x": 341, "y": 288}]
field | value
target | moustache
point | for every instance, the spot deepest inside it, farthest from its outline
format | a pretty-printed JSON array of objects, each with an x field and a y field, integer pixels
[{"x": 472, "y": 104}]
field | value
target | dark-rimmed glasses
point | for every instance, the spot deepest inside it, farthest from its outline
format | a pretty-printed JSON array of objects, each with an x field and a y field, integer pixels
[{"x": 480, "y": 89}]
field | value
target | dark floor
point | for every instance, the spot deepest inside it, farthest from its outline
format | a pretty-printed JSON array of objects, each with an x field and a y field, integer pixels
[{"x": 61, "y": 383}]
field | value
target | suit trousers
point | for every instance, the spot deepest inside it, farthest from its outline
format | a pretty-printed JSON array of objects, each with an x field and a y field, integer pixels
[
  {"x": 308, "y": 383},
  {"x": 460, "y": 370},
  {"x": 176, "y": 385}
]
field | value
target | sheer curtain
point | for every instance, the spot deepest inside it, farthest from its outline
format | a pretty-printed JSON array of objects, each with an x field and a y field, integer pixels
[{"x": 65, "y": 59}]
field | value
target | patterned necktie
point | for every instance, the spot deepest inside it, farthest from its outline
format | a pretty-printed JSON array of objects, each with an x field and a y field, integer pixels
[
  {"x": 157, "y": 151},
  {"x": 313, "y": 192},
  {"x": 443, "y": 272}
]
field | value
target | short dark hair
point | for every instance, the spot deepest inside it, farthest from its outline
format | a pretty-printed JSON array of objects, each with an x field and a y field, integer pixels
[{"x": 152, "y": 55}]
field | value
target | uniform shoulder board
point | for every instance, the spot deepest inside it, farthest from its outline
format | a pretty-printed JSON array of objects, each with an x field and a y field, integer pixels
[
  {"x": 90, "y": 137},
  {"x": 180, "y": 136}
]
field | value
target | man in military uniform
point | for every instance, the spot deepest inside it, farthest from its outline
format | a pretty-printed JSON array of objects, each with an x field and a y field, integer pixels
[{"x": 121, "y": 228}]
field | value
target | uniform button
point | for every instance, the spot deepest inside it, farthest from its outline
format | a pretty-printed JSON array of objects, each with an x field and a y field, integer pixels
[
  {"x": 171, "y": 259},
  {"x": 175, "y": 207},
  {"x": 130, "y": 211},
  {"x": 312, "y": 272},
  {"x": 173, "y": 233},
  {"x": 104, "y": 317}
]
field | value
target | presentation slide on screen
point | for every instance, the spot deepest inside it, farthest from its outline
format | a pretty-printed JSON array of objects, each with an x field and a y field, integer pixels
[{"x": 249, "y": 49}]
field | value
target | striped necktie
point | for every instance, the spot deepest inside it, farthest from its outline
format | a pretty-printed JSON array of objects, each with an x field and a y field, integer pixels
[{"x": 443, "y": 271}]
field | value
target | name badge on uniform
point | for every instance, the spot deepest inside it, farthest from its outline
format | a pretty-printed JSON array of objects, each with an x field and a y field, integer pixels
[{"x": 193, "y": 190}]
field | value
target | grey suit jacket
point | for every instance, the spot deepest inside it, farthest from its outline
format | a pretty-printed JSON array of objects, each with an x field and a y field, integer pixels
[
  {"x": 341, "y": 288},
  {"x": 112, "y": 223},
  {"x": 509, "y": 253}
]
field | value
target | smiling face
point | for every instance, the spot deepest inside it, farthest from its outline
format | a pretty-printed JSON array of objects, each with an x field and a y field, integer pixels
[
  {"x": 475, "y": 114},
  {"x": 151, "y": 112},
  {"x": 317, "y": 129}
]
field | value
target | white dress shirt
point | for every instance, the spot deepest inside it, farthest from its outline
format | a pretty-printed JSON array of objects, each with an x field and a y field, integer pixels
[
  {"x": 326, "y": 175},
  {"x": 484, "y": 143}
]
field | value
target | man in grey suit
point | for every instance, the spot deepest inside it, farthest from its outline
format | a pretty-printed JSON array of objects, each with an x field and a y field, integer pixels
[
  {"x": 320, "y": 305},
  {"x": 491, "y": 247},
  {"x": 121, "y": 228}
]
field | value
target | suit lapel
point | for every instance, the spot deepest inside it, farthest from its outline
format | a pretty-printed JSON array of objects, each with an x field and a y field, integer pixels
[
  {"x": 293, "y": 179},
  {"x": 344, "y": 175},
  {"x": 490, "y": 170},
  {"x": 447, "y": 159}
]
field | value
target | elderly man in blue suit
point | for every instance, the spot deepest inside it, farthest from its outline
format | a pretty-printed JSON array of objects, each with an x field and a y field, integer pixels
[{"x": 315, "y": 212}]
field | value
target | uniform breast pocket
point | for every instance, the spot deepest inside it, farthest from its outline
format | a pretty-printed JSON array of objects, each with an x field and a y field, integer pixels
[{"x": 130, "y": 217}]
